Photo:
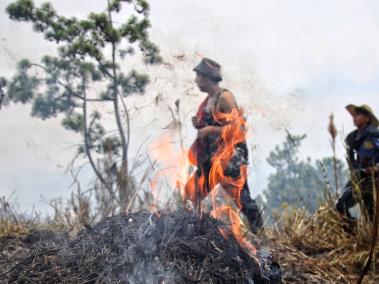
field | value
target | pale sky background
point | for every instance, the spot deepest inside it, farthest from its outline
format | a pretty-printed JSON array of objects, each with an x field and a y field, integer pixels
[{"x": 289, "y": 63}]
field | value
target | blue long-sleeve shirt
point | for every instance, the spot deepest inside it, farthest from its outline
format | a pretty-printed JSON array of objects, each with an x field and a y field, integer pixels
[{"x": 363, "y": 148}]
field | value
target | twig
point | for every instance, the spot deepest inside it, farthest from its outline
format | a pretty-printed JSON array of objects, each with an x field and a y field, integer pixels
[
  {"x": 374, "y": 235},
  {"x": 333, "y": 134},
  {"x": 29, "y": 258},
  {"x": 87, "y": 143}
]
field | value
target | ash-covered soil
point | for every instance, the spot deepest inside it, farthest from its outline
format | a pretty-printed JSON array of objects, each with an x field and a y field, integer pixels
[{"x": 179, "y": 247}]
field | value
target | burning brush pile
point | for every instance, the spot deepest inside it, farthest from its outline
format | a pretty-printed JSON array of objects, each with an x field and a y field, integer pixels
[
  {"x": 179, "y": 246},
  {"x": 143, "y": 247}
]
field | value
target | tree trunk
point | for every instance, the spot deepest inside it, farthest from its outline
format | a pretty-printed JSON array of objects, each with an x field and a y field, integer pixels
[{"x": 123, "y": 175}]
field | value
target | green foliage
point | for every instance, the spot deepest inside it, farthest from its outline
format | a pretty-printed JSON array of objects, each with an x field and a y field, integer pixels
[
  {"x": 297, "y": 181},
  {"x": 81, "y": 50},
  {"x": 3, "y": 83},
  {"x": 81, "y": 60},
  {"x": 133, "y": 83},
  {"x": 59, "y": 85},
  {"x": 343, "y": 173},
  {"x": 110, "y": 145},
  {"x": 22, "y": 10},
  {"x": 73, "y": 122},
  {"x": 96, "y": 131},
  {"x": 22, "y": 87}
]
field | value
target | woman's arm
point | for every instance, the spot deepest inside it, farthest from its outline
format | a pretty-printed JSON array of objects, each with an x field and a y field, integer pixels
[{"x": 226, "y": 104}]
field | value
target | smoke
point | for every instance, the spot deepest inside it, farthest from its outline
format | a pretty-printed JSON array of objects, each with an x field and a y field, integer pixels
[{"x": 283, "y": 74}]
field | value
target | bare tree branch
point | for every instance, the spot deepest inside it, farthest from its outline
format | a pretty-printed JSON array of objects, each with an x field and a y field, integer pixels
[{"x": 87, "y": 142}]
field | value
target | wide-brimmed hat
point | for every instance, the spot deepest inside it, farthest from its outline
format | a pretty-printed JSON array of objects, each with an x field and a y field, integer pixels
[
  {"x": 365, "y": 109},
  {"x": 209, "y": 68}
]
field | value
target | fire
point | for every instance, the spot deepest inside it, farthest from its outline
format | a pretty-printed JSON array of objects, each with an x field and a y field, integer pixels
[
  {"x": 233, "y": 132},
  {"x": 235, "y": 226},
  {"x": 194, "y": 187},
  {"x": 174, "y": 164}
]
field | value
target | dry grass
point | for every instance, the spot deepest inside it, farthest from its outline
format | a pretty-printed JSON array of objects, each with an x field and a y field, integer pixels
[
  {"x": 311, "y": 248},
  {"x": 12, "y": 223},
  {"x": 314, "y": 248}
]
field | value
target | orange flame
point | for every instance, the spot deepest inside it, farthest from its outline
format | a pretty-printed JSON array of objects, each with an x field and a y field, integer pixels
[
  {"x": 194, "y": 188},
  {"x": 174, "y": 164},
  {"x": 235, "y": 226}
]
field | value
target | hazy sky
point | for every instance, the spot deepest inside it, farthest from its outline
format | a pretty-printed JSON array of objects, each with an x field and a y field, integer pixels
[{"x": 289, "y": 63}]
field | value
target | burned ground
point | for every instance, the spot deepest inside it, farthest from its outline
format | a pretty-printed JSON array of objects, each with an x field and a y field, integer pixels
[
  {"x": 142, "y": 247},
  {"x": 181, "y": 247}
]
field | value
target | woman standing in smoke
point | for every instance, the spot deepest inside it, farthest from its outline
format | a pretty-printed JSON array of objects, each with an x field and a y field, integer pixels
[{"x": 220, "y": 151}]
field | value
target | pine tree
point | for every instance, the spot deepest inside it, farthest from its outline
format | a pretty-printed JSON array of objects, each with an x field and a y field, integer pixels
[{"x": 91, "y": 52}]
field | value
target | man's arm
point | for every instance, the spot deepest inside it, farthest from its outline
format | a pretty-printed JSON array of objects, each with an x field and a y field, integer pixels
[{"x": 374, "y": 169}]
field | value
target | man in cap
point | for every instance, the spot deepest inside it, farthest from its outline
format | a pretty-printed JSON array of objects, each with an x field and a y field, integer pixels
[
  {"x": 363, "y": 158},
  {"x": 220, "y": 124}
]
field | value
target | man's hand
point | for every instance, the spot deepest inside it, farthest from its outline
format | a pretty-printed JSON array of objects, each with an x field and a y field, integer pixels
[
  {"x": 195, "y": 121},
  {"x": 371, "y": 170},
  {"x": 366, "y": 171}
]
